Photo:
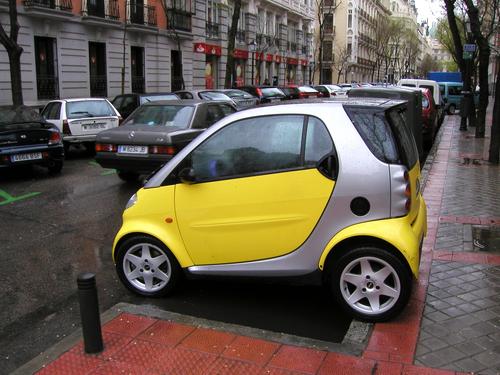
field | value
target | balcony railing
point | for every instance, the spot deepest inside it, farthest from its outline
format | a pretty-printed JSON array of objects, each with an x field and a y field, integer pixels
[
  {"x": 240, "y": 36},
  {"x": 292, "y": 46},
  {"x": 178, "y": 19},
  {"x": 213, "y": 30},
  {"x": 138, "y": 84},
  {"x": 47, "y": 87},
  {"x": 97, "y": 9},
  {"x": 141, "y": 14},
  {"x": 65, "y": 5},
  {"x": 98, "y": 86},
  {"x": 304, "y": 50}
]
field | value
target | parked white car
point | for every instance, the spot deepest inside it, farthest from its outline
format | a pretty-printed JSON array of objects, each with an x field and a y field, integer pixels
[{"x": 80, "y": 120}]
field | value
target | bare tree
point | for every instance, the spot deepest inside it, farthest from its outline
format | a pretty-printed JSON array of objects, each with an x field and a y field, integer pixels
[
  {"x": 265, "y": 42},
  {"x": 14, "y": 51},
  {"x": 172, "y": 28},
  {"x": 325, "y": 10},
  {"x": 231, "y": 38},
  {"x": 428, "y": 65},
  {"x": 341, "y": 61}
]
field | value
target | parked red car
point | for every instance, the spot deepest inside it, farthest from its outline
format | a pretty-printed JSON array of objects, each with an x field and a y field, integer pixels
[
  {"x": 300, "y": 92},
  {"x": 429, "y": 118}
]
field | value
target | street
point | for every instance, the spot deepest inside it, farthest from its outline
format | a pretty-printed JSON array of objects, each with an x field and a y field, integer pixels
[{"x": 55, "y": 227}]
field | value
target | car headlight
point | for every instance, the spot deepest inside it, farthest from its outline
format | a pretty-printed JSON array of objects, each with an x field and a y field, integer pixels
[{"x": 131, "y": 201}]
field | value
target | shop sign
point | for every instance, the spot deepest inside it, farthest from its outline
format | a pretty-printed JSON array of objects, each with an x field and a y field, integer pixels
[
  {"x": 292, "y": 61},
  {"x": 277, "y": 58},
  {"x": 269, "y": 57},
  {"x": 303, "y": 62},
  {"x": 208, "y": 49},
  {"x": 240, "y": 54}
]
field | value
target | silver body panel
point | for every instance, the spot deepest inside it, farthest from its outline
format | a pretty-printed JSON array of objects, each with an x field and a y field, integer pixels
[{"x": 356, "y": 163}]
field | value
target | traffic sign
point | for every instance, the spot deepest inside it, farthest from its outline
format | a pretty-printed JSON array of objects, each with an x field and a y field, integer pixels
[
  {"x": 469, "y": 47},
  {"x": 467, "y": 55}
]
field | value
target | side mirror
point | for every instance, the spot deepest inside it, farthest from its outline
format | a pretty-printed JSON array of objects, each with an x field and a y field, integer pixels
[{"x": 186, "y": 175}]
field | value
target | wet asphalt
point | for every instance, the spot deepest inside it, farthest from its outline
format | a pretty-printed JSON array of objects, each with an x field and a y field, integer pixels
[{"x": 54, "y": 227}]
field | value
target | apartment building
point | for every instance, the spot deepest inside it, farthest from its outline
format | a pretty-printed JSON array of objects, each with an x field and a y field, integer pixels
[
  {"x": 349, "y": 44},
  {"x": 79, "y": 48}
]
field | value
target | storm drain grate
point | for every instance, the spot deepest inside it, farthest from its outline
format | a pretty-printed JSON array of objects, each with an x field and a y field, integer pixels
[{"x": 486, "y": 239}]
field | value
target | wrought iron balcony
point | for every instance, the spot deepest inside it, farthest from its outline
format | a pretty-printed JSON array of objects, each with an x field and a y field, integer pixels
[
  {"x": 98, "y": 86},
  {"x": 141, "y": 14},
  {"x": 47, "y": 87},
  {"x": 178, "y": 19},
  {"x": 64, "y": 5},
  {"x": 213, "y": 30},
  {"x": 97, "y": 8}
]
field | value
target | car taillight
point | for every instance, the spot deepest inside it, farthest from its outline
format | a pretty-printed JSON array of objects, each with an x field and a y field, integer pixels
[
  {"x": 167, "y": 150},
  {"x": 259, "y": 92},
  {"x": 55, "y": 138},
  {"x": 66, "y": 129},
  {"x": 105, "y": 147},
  {"x": 407, "y": 191},
  {"x": 333, "y": 94}
]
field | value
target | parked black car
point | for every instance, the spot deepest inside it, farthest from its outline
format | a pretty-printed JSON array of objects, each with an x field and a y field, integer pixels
[
  {"x": 27, "y": 138},
  {"x": 154, "y": 133},
  {"x": 127, "y": 103},
  {"x": 241, "y": 98},
  {"x": 266, "y": 94}
]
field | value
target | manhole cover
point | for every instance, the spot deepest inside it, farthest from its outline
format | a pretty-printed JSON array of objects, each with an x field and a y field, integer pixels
[{"x": 486, "y": 239}]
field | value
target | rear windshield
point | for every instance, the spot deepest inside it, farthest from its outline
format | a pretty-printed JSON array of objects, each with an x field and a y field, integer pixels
[
  {"x": 238, "y": 94},
  {"x": 387, "y": 135},
  {"x": 321, "y": 89},
  {"x": 153, "y": 98},
  {"x": 89, "y": 108},
  {"x": 307, "y": 89},
  {"x": 213, "y": 95},
  {"x": 162, "y": 115},
  {"x": 271, "y": 91}
]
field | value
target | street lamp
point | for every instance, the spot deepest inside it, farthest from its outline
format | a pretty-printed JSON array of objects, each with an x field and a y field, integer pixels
[
  {"x": 252, "y": 46},
  {"x": 467, "y": 104}
]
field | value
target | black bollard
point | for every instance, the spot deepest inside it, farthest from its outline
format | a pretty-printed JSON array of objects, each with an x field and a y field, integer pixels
[{"x": 89, "y": 312}]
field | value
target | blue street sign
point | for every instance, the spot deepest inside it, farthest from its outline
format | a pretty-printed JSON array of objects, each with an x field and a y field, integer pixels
[{"x": 469, "y": 47}]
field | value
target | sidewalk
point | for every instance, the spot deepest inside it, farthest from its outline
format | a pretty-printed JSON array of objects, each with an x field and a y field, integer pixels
[{"x": 451, "y": 325}]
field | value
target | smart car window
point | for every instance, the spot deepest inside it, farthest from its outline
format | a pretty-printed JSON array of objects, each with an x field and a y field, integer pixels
[
  {"x": 318, "y": 142},
  {"x": 405, "y": 137},
  {"x": 425, "y": 102},
  {"x": 376, "y": 132},
  {"x": 162, "y": 115},
  {"x": 251, "y": 146}
]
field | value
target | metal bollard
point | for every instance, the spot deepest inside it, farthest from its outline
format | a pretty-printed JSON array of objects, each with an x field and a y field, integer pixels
[{"x": 89, "y": 312}]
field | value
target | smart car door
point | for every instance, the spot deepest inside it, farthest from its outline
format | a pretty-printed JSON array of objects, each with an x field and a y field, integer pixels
[{"x": 259, "y": 187}]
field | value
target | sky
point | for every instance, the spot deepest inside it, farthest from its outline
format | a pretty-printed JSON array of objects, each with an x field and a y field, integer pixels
[{"x": 429, "y": 10}]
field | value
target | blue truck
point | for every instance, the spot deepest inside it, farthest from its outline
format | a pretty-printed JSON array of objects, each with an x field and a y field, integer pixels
[{"x": 445, "y": 76}]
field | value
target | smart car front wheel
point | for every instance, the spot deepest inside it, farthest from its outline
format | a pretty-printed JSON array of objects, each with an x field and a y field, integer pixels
[
  {"x": 146, "y": 266},
  {"x": 371, "y": 284}
]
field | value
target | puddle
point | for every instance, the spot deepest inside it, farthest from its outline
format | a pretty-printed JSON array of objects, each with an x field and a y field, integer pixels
[{"x": 486, "y": 239}]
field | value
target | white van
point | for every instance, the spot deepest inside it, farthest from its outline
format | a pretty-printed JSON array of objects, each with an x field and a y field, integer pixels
[{"x": 433, "y": 86}]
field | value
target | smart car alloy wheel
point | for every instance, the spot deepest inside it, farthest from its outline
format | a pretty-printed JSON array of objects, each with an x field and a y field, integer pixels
[
  {"x": 146, "y": 266},
  {"x": 371, "y": 283}
]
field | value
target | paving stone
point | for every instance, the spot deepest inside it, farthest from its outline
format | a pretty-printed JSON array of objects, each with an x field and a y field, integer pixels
[
  {"x": 469, "y": 364},
  {"x": 454, "y": 301},
  {"x": 469, "y": 307},
  {"x": 421, "y": 350},
  {"x": 453, "y": 312},
  {"x": 486, "y": 343},
  {"x": 484, "y": 315},
  {"x": 437, "y": 316},
  {"x": 487, "y": 302},
  {"x": 439, "y": 305},
  {"x": 485, "y": 328},
  {"x": 488, "y": 358},
  {"x": 431, "y": 360},
  {"x": 469, "y": 348},
  {"x": 434, "y": 343},
  {"x": 453, "y": 339}
]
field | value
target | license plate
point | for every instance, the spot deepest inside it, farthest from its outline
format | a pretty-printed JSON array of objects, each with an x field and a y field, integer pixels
[
  {"x": 274, "y": 100},
  {"x": 96, "y": 126},
  {"x": 25, "y": 157},
  {"x": 127, "y": 149}
]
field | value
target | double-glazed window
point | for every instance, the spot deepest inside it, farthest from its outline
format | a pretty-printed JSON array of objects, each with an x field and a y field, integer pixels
[{"x": 261, "y": 145}]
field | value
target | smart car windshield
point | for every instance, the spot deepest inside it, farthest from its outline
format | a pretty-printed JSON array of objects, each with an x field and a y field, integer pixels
[{"x": 162, "y": 115}]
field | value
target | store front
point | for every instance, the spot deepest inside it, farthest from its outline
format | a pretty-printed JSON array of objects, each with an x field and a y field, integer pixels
[
  {"x": 277, "y": 70},
  {"x": 291, "y": 71},
  {"x": 304, "y": 80},
  {"x": 239, "y": 68},
  {"x": 212, "y": 61}
]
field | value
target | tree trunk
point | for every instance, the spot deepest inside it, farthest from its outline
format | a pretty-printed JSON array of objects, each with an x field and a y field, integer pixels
[
  {"x": 228, "y": 79},
  {"x": 14, "y": 52},
  {"x": 495, "y": 124},
  {"x": 15, "y": 76}
]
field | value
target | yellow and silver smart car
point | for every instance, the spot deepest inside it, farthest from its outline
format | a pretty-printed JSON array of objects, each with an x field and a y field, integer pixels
[{"x": 317, "y": 188}]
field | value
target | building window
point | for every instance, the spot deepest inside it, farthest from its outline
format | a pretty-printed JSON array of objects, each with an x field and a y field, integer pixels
[
  {"x": 137, "y": 68},
  {"x": 47, "y": 81},
  {"x": 212, "y": 19},
  {"x": 349, "y": 48},
  {"x": 97, "y": 70},
  {"x": 328, "y": 23},
  {"x": 179, "y": 14},
  {"x": 349, "y": 19},
  {"x": 327, "y": 50}
]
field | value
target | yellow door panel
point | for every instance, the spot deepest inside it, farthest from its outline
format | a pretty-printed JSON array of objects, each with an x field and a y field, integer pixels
[{"x": 250, "y": 218}]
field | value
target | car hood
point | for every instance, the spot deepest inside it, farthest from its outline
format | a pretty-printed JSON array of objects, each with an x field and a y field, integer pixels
[{"x": 144, "y": 134}]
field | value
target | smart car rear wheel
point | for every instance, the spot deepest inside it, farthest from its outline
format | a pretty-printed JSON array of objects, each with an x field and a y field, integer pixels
[
  {"x": 147, "y": 267},
  {"x": 371, "y": 284}
]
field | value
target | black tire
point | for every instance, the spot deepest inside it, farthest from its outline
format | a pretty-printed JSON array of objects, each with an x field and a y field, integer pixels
[
  {"x": 55, "y": 166},
  {"x": 90, "y": 148},
  {"x": 128, "y": 176},
  {"x": 150, "y": 276},
  {"x": 392, "y": 291},
  {"x": 451, "y": 109}
]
